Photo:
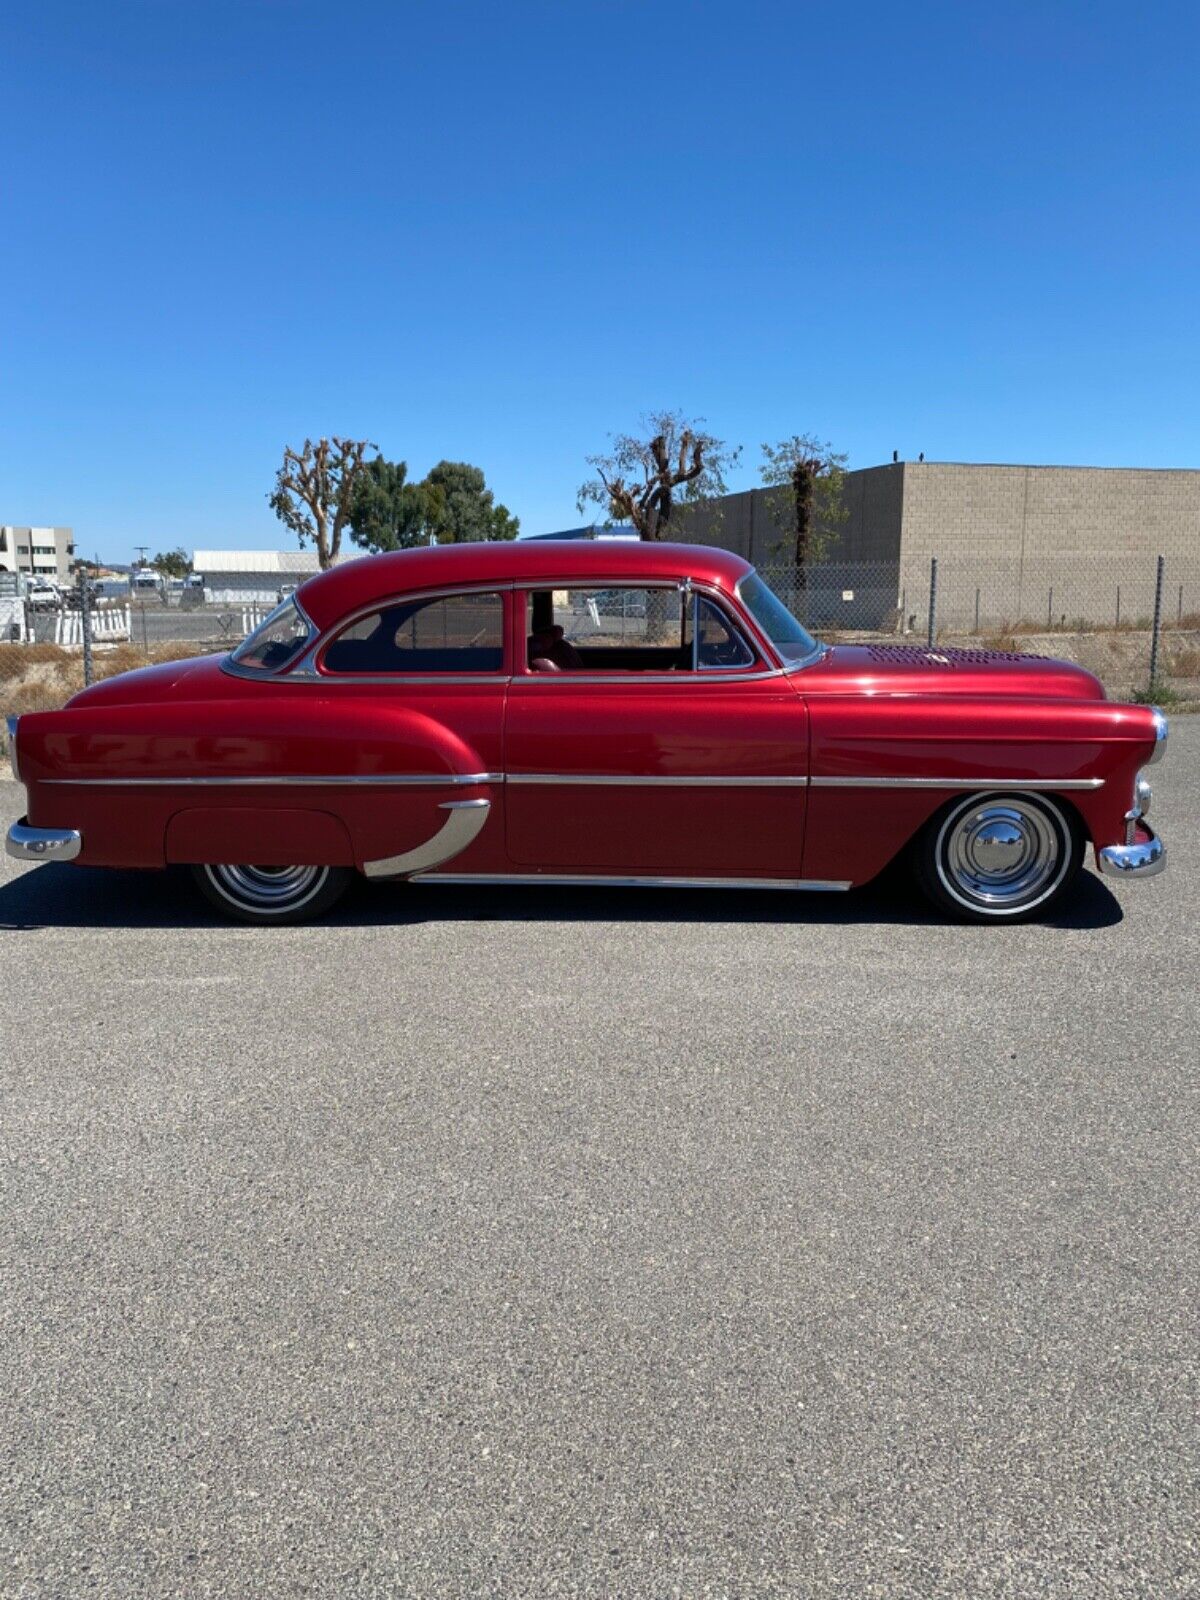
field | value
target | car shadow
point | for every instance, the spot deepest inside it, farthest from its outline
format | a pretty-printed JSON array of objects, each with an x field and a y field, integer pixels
[{"x": 61, "y": 896}]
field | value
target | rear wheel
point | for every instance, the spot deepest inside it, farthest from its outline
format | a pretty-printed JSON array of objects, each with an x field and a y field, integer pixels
[
  {"x": 272, "y": 894},
  {"x": 1000, "y": 857}
]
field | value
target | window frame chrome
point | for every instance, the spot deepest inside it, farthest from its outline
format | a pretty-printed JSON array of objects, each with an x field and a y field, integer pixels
[
  {"x": 766, "y": 663},
  {"x": 787, "y": 667}
]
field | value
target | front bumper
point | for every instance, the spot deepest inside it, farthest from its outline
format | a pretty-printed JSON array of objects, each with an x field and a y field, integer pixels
[
  {"x": 42, "y": 844},
  {"x": 1142, "y": 858}
]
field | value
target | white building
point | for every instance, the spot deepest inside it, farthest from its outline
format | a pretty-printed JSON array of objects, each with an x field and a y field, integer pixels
[
  {"x": 246, "y": 577},
  {"x": 45, "y": 552}
]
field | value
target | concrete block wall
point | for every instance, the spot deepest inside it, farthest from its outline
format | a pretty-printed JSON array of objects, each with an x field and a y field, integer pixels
[{"x": 953, "y": 508}]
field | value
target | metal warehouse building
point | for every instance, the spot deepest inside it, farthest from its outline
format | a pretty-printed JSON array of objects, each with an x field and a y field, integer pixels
[{"x": 255, "y": 577}]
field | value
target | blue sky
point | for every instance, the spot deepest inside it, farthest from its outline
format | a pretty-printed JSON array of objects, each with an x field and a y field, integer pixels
[{"x": 498, "y": 232}]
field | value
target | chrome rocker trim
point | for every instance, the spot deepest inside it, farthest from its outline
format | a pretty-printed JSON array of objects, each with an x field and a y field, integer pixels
[
  {"x": 463, "y": 824},
  {"x": 601, "y": 880},
  {"x": 43, "y": 844}
]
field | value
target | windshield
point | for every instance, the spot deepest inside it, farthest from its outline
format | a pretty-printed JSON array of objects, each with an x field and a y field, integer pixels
[
  {"x": 792, "y": 640},
  {"x": 276, "y": 641}
]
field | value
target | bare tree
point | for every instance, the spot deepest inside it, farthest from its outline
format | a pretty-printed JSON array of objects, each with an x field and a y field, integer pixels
[
  {"x": 641, "y": 479},
  {"x": 809, "y": 477},
  {"x": 314, "y": 491}
]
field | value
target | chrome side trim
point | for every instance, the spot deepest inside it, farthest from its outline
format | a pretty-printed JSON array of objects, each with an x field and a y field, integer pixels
[
  {"x": 631, "y": 781},
  {"x": 1053, "y": 784},
  {"x": 391, "y": 780},
  {"x": 43, "y": 844},
  {"x": 311, "y": 675},
  {"x": 560, "y": 880},
  {"x": 1161, "y": 731},
  {"x": 466, "y": 819},
  {"x": 709, "y": 676},
  {"x": 428, "y": 780}
]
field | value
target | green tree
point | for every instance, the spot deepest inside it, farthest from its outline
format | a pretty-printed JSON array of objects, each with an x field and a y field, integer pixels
[
  {"x": 462, "y": 509},
  {"x": 808, "y": 477},
  {"x": 387, "y": 511},
  {"x": 314, "y": 489},
  {"x": 172, "y": 563},
  {"x": 643, "y": 478}
]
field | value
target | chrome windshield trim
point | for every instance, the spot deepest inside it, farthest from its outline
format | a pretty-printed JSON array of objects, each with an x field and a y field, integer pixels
[
  {"x": 635, "y": 781},
  {"x": 814, "y": 654},
  {"x": 603, "y": 881},
  {"x": 1053, "y": 784},
  {"x": 390, "y": 780}
]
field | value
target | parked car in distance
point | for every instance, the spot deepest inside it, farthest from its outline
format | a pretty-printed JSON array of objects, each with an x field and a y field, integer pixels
[
  {"x": 423, "y": 717},
  {"x": 42, "y": 595},
  {"x": 286, "y": 590}
]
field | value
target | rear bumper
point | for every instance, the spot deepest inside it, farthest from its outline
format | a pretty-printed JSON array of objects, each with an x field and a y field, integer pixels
[
  {"x": 1144, "y": 858},
  {"x": 42, "y": 844}
]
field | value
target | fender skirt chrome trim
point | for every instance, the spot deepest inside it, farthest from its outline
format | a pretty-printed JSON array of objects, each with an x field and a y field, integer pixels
[
  {"x": 578, "y": 880},
  {"x": 466, "y": 819}
]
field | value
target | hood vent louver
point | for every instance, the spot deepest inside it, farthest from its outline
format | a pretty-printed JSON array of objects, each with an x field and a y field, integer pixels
[{"x": 939, "y": 656}]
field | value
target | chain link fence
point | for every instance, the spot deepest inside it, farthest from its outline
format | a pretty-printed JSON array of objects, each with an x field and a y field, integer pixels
[{"x": 1134, "y": 622}]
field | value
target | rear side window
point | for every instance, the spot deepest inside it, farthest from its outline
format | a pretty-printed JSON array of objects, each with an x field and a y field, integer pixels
[
  {"x": 453, "y": 633},
  {"x": 277, "y": 640}
]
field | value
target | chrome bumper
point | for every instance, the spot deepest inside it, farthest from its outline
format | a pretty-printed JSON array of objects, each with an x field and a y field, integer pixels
[
  {"x": 1142, "y": 859},
  {"x": 42, "y": 844}
]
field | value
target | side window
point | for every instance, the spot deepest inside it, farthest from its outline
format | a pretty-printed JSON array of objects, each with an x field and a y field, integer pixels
[
  {"x": 607, "y": 629},
  {"x": 453, "y": 633},
  {"x": 717, "y": 644}
]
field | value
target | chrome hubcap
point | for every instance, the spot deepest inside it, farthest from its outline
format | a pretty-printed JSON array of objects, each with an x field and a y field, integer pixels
[
  {"x": 1001, "y": 855},
  {"x": 268, "y": 888}
]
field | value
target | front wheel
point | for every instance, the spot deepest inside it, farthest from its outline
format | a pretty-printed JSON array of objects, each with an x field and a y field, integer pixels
[
  {"x": 1000, "y": 857},
  {"x": 267, "y": 895}
]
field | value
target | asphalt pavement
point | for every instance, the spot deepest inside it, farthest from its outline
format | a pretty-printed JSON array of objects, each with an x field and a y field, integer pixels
[{"x": 596, "y": 1243}]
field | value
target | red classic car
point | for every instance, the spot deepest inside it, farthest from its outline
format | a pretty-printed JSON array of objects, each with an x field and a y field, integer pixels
[{"x": 577, "y": 713}]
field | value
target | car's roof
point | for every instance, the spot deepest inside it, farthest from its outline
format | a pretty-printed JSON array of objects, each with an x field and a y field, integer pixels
[{"x": 342, "y": 589}]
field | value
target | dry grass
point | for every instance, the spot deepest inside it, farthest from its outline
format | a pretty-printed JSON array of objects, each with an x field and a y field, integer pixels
[
  {"x": 1002, "y": 641},
  {"x": 43, "y": 677}
]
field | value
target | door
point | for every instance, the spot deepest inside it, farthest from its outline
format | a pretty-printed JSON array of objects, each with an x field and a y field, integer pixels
[
  {"x": 646, "y": 736},
  {"x": 413, "y": 692}
]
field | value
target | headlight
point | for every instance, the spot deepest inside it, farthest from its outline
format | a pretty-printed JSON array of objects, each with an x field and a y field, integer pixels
[
  {"x": 11, "y": 724},
  {"x": 1141, "y": 793}
]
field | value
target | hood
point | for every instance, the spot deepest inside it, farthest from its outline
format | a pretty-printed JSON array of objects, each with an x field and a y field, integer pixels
[
  {"x": 941, "y": 669},
  {"x": 194, "y": 678}
]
